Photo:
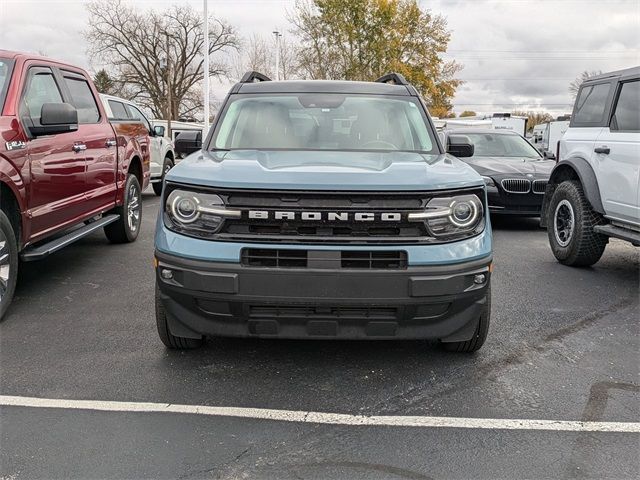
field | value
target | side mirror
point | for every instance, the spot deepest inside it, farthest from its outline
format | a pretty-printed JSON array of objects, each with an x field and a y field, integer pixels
[
  {"x": 548, "y": 155},
  {"x": 188, "y": 142},
  {"x": 56, "y": 118},
  {"x": 158, "y": 131},
  {"x": 460, "y": 146}
]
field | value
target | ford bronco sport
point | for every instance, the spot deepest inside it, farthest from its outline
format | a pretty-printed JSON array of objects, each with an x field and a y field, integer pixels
[
  {"x": 594, "y": 190},
  {"x": 324, "y": 209}
]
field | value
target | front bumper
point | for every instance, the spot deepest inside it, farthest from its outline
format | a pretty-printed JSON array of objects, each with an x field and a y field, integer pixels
[
  {"x": 523, "y": 204},
  {"x": 227, "y": 299},
  {"x": 155, "y": 169}
]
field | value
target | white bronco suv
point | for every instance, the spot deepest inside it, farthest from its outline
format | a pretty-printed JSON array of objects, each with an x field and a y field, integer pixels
[
  {"x": 594, "y": 190},
  {"x": 163, "y": 156}
]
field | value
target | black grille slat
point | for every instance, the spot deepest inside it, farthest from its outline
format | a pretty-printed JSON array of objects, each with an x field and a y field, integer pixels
[
  {"x": 344, "y": 312},
  {"x": 539, "y": 186},
  {"x": 516, "y": 185},
  {"x": 348, "y": 259}
]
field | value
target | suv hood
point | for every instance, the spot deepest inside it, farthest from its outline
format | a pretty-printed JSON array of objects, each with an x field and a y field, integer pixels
[
  {"x": 488, "y": 166},
  {"x": 324, "y": 170}
]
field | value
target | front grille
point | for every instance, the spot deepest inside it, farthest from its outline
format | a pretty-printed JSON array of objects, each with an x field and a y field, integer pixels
[
  {"x": 320, "y": 311},
  {"x": 270, "y": 258},
  {"x": 539, "y": 186},
  {"x": 516, "y": 185},
  {"x": 323, "y": 259},
  {"x": 374, "y": 259}
]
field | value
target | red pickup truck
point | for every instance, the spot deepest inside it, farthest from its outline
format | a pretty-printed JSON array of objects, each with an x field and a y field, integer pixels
[{"x": 65, "y": 169}]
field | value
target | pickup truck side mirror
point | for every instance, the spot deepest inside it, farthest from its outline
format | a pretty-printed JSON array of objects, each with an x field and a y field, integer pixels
[
  {"x": 158, "y": 131},
  {"x": 460, "y": 146},
  {"x": 548, "y": 155},
  {"x": 188, "y": 142},
  {"x": 56, "y": 118}
]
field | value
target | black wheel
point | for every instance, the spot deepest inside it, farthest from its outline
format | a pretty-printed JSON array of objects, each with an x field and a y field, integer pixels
[
  {"x": 8, "y": 263},
  {"x": 570, "y": 222},
  {"x": 170, "y": 340},
  {"x": 167, "y": 165},
  {"x": 127, "y": 228},
  {"x": 475, "y": 343}
]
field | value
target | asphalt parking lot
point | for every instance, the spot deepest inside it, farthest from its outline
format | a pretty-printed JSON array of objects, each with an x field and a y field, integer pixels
[{"x": 563, "y": 346}]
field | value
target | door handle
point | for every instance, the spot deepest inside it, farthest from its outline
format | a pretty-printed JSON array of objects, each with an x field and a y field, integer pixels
[
  {"x": 111, "y": 142},
  {"x": 79, "y": 147},
  {"x": 604, "y": 149}
]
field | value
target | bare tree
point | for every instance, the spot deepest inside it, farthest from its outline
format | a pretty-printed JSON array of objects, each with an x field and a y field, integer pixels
[
  {"x": 574, "y": 86},
  {"x": 258, "y": 53},
  {"x": 136, "y": 46}
]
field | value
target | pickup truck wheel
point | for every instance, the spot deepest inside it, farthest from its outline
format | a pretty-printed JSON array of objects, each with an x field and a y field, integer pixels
[
  {"x": 170, "y": 340},
  {"x": 570, "y": 227},
  {"x": 8, "y": 263},
  {"x": 475, "y": 343},
  {"x": 168, "y": 165},
  {"x": 127, "y": 228}
]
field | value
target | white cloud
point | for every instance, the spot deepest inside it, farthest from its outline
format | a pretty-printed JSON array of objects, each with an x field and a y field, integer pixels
[{"x": 522, "y": 52}]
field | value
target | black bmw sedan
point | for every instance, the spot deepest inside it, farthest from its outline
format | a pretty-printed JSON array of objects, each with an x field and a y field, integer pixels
[{"x": 514, "y": 171}]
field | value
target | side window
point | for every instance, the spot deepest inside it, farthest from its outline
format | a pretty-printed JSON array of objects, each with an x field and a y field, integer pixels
[
  {"x": 137, "y": 115},
  {"x": 118, "y": 110},
  {"x": 41, "y": 88},
  {"x": 82, "y": 99},
  {"x": 591, "y": 105},
  {"x": 627, "y": 113}
]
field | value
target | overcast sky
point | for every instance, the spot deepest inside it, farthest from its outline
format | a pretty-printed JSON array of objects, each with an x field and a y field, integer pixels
[{"x": 516, "y": 53}]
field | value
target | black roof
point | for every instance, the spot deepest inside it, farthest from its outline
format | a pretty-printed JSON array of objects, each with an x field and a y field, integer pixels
[
  {"x": 323, "y": 86},
  {"x": 627, "y": 72}
]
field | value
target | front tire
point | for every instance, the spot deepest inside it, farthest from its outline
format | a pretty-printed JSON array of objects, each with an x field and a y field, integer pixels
[
  {"x": 166, "y": 166},
  {"x": 170, "y": 340},
  {"x": 127, "y": 227},
  {"x": 570, "y": 222},
  {"x": 8, "y": 263}
]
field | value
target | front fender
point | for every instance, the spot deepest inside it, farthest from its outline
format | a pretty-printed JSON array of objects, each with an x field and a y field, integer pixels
[{"x": 574, "y": 168}]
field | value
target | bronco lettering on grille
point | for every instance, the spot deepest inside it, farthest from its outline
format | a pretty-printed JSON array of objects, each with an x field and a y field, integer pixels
[{"x": 328, "y": 216}]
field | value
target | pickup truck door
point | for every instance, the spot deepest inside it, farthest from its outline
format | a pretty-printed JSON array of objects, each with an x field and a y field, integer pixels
[
  {"x": 56, "y": 189},
  {"x": 617, "y": 156},
  {"x": 99, "y": 139}
]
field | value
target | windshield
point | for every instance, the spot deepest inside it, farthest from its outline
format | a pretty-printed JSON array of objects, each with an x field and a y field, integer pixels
[
  {"x": 5, "y": 74},
  {"x": 324, "y": 122},
  {"x": 501, "y": 145}
]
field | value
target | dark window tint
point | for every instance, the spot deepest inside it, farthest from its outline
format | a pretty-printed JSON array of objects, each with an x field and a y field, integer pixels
[
  {"x": 627, "y": 114},
  {"x": 137, "y": 115},
  {"x": 83, "y": 100},
  {"x": 117, "y": 109},
  {"x": 591, "y": 104},
  {"x": 41, "y": 89}
]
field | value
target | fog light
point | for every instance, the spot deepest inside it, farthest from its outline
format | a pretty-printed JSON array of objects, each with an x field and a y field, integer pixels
[
  {"x": 166, "y": 274},
  {"x": 479, "y": 279}
]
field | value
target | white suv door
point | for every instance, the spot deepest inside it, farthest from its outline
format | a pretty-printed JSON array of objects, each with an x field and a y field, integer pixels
[{"x": 616, "y": 157}]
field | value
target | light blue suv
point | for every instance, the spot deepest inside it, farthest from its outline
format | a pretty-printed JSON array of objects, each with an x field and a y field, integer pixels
[{"x": 324, "y": 210}]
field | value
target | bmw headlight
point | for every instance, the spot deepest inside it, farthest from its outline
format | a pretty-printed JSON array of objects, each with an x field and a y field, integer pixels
[
  {"x": 195, "y": 213},
  {"x": 452, "y": 218},
  {"x": 488, "y": 181}
]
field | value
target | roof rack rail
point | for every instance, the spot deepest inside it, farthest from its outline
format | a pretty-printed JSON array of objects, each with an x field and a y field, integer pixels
[
  {"x": 393, "y": 78},
  {"x": 254, "y": 77}
]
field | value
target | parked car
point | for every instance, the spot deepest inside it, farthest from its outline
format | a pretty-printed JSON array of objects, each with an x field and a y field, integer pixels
[
  {"x": 594, "y": 190},
  {"x": 65, "y": 170},
  {"x": 324, "y": 209},
  {"x": 515, "y": 173},
  {"x": 163, "y": 156}
]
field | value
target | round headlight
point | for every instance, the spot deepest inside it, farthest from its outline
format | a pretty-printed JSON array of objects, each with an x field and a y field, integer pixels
[
  {"x": 185, "y": 208},
  {"x": 463, "y": 213}
]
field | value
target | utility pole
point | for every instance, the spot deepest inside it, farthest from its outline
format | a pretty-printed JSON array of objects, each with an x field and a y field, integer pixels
[
  {"x": 169, "y": 99},
  {"x": 206, "y": 67},
  {"x": 278, "y": 35}
]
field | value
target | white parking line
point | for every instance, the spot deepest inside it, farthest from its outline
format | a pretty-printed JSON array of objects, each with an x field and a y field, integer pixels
[{"x": 323, "y": 418}]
